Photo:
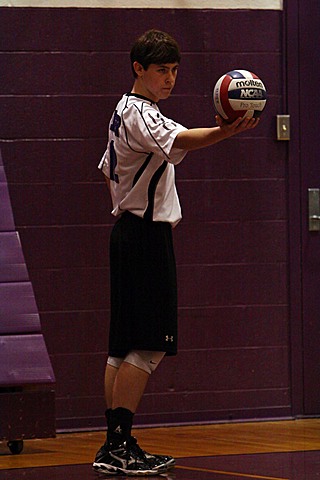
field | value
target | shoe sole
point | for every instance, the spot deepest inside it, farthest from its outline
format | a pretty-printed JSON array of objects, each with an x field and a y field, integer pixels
[
  {"x": 100, "y": 468},
  {"x": 110, "y": 470}
]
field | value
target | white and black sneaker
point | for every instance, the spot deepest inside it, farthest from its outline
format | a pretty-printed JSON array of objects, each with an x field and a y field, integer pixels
[
  {"x": 165, "y": 461},
  {"x": 129, "y": 459}
]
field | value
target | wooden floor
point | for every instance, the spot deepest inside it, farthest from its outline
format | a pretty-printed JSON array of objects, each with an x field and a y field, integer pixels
[{"x": 282, "y": 450}]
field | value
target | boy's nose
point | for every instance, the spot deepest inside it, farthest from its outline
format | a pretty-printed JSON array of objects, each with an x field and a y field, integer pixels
[{"x": 171, "y": 78}]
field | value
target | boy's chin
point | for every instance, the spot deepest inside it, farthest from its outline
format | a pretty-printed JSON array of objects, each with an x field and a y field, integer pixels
[{"x": 165, "y": 94}]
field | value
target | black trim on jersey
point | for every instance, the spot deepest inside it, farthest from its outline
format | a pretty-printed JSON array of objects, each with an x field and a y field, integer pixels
[
  {"x": 147, "y": 127},
  {"x": 125, "y": 128},
  {"x": 148, "y": 214},
  {"x": 140, "y": 110},
  {"x": 140, "y": 96},
  {"x": 142, "y": 169}
]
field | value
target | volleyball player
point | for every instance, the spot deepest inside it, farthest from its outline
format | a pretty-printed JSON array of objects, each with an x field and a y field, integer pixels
[{"x": 139, "y": 165}]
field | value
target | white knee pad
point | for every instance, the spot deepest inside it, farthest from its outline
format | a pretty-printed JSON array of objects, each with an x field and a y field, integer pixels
[
  {"x": 114, "y": 361},
  {"x": 144, "y": 359}
]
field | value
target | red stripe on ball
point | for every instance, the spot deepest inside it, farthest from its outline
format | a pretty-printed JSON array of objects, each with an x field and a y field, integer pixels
[{"x": 224, "y": 97}]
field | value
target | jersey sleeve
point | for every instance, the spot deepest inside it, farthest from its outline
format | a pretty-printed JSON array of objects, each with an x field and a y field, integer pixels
[
  {"x": 104, "y": 164},
  {"x": 151, "y": 131}
]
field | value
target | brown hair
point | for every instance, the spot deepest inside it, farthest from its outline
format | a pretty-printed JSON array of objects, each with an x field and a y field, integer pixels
[{"x": 156, "y": 47}]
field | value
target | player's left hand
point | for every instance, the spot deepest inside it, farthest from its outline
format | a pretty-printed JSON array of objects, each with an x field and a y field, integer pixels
[{"x": 239, "y": 125}]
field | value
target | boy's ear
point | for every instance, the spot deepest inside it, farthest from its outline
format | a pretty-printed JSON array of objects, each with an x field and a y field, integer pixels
[{"x": 138, "y": 68}]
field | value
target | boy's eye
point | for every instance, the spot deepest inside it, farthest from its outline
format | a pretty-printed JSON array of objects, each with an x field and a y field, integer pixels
[{"x": 166, "y": 70}]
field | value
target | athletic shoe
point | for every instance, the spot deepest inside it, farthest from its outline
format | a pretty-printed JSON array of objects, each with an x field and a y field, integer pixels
[
  {"x": 127, "y": 459},
  {"x": 156, "y": 460},
  {"x": 165, "y": 461}
]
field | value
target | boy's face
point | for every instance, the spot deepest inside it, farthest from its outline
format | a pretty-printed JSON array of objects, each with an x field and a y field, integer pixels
[{"x": 157, "y": 81}]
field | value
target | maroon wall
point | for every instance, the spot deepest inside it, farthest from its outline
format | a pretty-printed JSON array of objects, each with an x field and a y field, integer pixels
[{"x": 63, "y": 70}]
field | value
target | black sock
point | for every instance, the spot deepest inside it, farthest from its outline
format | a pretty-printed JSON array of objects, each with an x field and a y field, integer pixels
[
  {"x": 107, "y": 415},
  {"x": 119, "y": 426}
]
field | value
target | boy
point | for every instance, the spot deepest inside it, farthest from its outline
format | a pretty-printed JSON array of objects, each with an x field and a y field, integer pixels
[{"x": 143, "y": 148}]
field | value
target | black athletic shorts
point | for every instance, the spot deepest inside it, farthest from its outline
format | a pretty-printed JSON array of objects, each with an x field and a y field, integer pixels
[{"x": 143, "y": 287}]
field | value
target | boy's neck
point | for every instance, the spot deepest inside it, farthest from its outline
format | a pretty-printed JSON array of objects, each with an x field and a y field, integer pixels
[{"x": 140, "y": 89}]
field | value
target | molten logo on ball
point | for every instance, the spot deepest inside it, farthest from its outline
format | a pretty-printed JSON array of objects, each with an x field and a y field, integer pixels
[
  {"x": 249, "y": 83},
  {"x": 231, "y": 91}
]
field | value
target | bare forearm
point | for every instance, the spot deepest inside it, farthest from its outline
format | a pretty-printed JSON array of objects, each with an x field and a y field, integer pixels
[{"x": 196, "y": 138}]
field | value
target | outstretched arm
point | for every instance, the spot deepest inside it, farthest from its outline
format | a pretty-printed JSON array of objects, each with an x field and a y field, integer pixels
[{"x": 203, "y": 137}]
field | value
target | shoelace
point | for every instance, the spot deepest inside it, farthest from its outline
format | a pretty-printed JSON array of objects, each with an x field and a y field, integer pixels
[
  {"x": 137, "y": 450},
  {"x": 133, "y": 444},
  {"x": 142, "y": 452}
]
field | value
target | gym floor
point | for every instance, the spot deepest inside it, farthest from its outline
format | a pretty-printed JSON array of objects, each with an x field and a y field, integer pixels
[{"x": 281, "y": 450}]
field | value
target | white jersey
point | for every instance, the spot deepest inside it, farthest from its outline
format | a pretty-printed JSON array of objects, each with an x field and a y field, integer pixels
[{"x": 139, "y": 161}]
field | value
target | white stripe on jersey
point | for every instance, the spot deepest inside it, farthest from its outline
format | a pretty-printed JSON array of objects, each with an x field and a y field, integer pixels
[{"x": 139, "y": 160}]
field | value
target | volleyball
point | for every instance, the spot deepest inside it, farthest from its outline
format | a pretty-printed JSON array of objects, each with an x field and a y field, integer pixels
[{"x": 239, "y": 93}]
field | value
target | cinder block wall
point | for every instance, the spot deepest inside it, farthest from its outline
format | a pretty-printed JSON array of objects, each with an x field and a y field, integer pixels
[{"x": 63, "y": 71}]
